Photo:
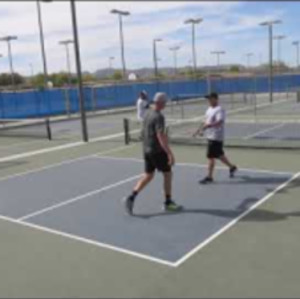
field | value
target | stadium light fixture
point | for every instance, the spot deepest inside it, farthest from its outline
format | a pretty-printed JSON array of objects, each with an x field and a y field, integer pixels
[
  {"x": 218, "y": 54},
  {"x": 155, "y": 59},
  {"x": 296, "y": 44},
  {"x": 8, "y": 40},
  {"x": 110, "y": 62},
  {"x": 121, "y": 14},
  {"x": 279, "y": 38},
  {"x": 84, "y": 128},
  {"x": 270, "y": 24},
  {"x": 193, "y": 22},
  {"x": 175, "y": 49},
  {"x": 42, "y": 40},
  {"x": 249, "y": 55},
  {"x": 66, "y": 43}
]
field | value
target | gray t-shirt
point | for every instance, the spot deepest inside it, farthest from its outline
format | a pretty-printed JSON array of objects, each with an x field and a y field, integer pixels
[{"x": 154, "y": 122}]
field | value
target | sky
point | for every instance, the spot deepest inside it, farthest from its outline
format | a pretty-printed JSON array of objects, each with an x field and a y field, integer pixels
[{"x": 228, "y": 26}]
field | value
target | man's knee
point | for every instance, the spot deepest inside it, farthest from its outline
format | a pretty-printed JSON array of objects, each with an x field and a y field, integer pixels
[
  {"x": 148, "y": 176},
  {"x": 167, "y": 174}
]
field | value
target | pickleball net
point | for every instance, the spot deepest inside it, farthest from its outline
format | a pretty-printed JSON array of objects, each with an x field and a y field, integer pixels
[
  {"x": 252, "y": 122},
  {"x": 26, "y": 128}
]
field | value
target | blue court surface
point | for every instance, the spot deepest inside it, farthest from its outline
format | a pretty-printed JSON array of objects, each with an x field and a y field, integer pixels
[{"x": 81, "y": 199}]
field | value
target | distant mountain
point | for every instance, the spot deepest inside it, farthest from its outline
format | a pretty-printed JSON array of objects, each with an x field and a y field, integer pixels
[{"x": 148, "y": 72}]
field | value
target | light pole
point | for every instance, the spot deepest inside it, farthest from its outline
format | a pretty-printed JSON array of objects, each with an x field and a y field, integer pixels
[
  {"x": 66, "y": 43},
  {"x": 42, "y": 41},
  {"x": 156, "y": 40},
  {"x": 279, "y": 38},
  {"x": 8, "y": 39},
  {"x": 85, "y": 136},
  {"x": 174, "y": 50},
  {"x": 194, "y": 22},
  {"x": 270, "y": 24},
  {"x": 218, "y": 54},
  {"x": 110, "y": 62},
  {"x": 296, "y": 44},
  {"x": 121, "y": 14},
  {"x": 31, "y": 69},
  {"x": 249, "y": 55}
]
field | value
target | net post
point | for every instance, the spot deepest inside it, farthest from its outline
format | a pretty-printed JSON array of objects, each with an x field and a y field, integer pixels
[
  {"x": 126, "y": 130},
  {"x": 48, "y": 128}
]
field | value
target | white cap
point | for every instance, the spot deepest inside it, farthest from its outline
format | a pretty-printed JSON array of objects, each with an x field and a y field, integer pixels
[{"x": 160, "y": 96}]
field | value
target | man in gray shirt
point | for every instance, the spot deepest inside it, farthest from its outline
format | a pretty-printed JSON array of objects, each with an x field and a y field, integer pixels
[{"x": 157, "y": 155}]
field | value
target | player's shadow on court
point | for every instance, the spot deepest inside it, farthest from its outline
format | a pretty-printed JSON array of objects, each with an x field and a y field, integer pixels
[
  {"x": 262, "y": 180},
  {"x": 244, "y": 180},
  {"x": 256, "y": 215}
]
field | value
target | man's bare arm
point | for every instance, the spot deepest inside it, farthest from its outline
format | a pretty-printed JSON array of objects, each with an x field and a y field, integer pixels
[{"x": 163, "y": 140}]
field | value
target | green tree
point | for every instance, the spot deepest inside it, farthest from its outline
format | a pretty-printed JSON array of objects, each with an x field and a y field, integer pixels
[
  {"x": 5, "y": 79},
  {"x": 117, "y": 75},
  {"x": 235, "y": 69}
]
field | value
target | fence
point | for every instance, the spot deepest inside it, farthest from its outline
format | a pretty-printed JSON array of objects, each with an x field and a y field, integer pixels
[{"x": 59, "y": 101}]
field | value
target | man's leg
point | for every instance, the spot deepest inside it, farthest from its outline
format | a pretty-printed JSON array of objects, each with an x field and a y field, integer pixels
[
  {"x": 232, "y": 168},
  {"x": 168, "y": 184},
  {"x": 211, "y": 168},
  {"x": 169, "y": 205},
  {"x": 143, "y": 182},
  {"x": 225, "y": 161}
]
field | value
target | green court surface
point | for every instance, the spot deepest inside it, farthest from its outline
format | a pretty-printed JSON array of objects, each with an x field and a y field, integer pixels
[{"x": 256, "y": 257}]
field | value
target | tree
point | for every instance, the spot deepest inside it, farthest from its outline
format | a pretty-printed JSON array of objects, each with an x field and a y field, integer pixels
[
  {"x": 5, "y": 79},
  {"x": 117, "y": 75},
  {"x": 234, "y": 69}
]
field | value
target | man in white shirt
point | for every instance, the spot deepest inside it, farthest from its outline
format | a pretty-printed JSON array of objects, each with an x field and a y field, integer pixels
[
  {"x": 213, "y": 128},
  {"x": 142, "y": 105}
]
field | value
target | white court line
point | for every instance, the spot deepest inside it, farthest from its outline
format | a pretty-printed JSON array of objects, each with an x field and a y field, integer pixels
[
  {"x": 65, "y": 162},
  {"x": 87, "y": 241},
  {"x": 260, "y": 132},
  {"x": 234, "y": 221},
  {"x": 78, "y": 198},
  {"x": 59, "y": 147},
  {"x": 198, "y": 165}
]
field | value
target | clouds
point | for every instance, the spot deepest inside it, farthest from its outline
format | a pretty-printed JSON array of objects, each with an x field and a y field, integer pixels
[{"x": 231, "y": 26}]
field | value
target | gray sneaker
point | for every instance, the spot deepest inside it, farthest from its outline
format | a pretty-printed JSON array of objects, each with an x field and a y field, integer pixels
[{"x": 128, "y": 204}]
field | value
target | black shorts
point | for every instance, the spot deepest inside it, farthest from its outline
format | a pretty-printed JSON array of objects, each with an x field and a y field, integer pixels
[
  {"x": 157, "y": 161},
  {"x": 215, "y": 149}
]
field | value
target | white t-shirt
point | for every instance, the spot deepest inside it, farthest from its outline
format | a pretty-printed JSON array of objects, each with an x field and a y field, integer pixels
[
  {"x": 215, "y": 114},
  {"x": 141, "y": 107}
]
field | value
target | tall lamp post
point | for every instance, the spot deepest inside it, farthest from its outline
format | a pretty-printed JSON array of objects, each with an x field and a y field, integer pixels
[
  {"x": 249, "y": 55},
  {"x": 121, "y": 14},
  {"x": 8, "y": 39},
  {"x": 155, "y": 59},
  {"x": 42, "y": 40},
  {"x": 193, "y": 23},
  {"x": 218, "y": 54},
  {"x": 296, "y": 44},
  {"x": 270, "y": 24},
  {"x": 279, "y": 38},
  {"x": 110, "y": 62},
  {"x": 174, "y": 50},
  {"x": 85, "y": 136},
  {"x": 66, "y": 43}
]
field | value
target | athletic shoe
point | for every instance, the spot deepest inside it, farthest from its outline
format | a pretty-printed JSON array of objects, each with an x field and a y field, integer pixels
[
  {"x": 172, "y": 207},
  {"x": 232, "y": 171},
  {"x": 128, "y": 204},
  {"x": 206, "y": 180}
]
